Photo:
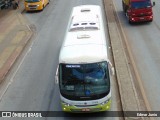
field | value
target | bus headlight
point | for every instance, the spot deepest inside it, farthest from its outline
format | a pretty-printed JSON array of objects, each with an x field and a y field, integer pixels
[{"x": 105, "y": 101}]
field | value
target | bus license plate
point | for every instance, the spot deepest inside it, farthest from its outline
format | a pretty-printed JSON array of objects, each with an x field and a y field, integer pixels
[{"x": 85, "y": 109}]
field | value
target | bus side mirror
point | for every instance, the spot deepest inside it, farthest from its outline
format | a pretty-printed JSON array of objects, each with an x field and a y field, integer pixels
[
  {"x": 111, "y": 68},
  {"x": 56, "y": 76},
  {"x": 153, "y": 4},
  {"x": 112, "y": 71},
  {"x": 56, "y": 79}
]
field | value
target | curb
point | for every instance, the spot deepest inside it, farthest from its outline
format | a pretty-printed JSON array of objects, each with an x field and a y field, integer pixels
[{"x": 127, "y": 90}]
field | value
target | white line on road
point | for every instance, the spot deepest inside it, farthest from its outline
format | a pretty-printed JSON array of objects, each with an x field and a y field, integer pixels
[{"x": 5, "y": 88}]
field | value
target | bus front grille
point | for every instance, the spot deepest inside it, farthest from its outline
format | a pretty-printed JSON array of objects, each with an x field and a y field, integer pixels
[{"x": 86, "y": 105}]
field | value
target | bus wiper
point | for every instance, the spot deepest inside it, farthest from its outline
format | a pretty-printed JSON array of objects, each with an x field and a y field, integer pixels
[{"x": 66, "y": 83}]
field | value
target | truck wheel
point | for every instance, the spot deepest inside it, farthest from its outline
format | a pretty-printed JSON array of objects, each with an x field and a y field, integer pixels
[
  {"x": 130, "y": 22},
  {"x": 124, "y": 7}
]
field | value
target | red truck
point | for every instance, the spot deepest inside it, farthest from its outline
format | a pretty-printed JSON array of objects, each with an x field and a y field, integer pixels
[{"x": 138, "y": 10}]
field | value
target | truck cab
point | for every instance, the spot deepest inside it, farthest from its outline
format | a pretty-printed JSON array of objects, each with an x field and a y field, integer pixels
[{"x": 139, "y": 10}]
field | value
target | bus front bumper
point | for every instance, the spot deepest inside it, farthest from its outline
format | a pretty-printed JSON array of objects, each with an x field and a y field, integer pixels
[{"x": 97, "y": 108}]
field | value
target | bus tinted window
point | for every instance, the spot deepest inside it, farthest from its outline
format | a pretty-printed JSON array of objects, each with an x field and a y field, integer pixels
[{"x": 85, "y": 79}]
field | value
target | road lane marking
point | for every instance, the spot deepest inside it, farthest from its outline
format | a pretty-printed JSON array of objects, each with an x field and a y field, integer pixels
[{"x": 14, "y": 74}]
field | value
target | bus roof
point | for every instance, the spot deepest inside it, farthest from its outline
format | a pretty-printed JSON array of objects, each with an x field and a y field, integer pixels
[
  {"x": 85, "y": 16},
  {"x": 78, "y": 54},
  {"x": 87, "y": 44}
]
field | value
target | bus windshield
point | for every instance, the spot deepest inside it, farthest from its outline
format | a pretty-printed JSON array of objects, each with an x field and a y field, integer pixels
[
  {"x": 141, "y": 4},
  {"x": 84, "y": 81},
  {"x": 32, "y": 1}
]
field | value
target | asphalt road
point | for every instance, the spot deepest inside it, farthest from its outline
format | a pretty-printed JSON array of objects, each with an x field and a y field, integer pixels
[
  {"x": 145, "y": 45},
  {"x": 31, "y": 85}
]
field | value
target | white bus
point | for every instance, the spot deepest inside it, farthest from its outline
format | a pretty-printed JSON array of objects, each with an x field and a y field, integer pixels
[{"x": 83, "y": 73}]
